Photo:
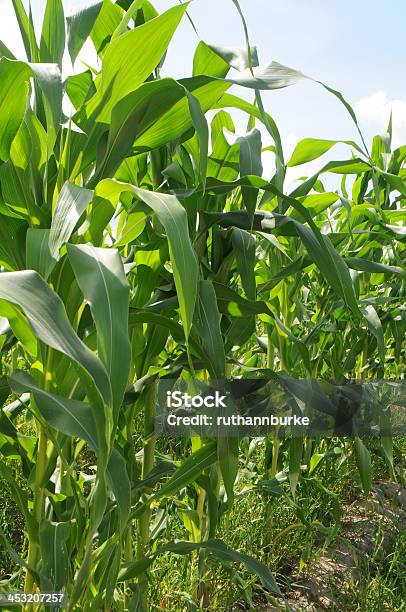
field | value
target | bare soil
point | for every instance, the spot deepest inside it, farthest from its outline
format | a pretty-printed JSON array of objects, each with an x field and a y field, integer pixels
[{"x": 368, "y": 530}]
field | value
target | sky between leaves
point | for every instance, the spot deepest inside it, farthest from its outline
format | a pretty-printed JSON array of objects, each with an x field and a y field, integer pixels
[{"x": 356, "y": 47}]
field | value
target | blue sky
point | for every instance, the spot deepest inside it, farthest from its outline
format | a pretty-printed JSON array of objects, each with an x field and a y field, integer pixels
[{"x": 356, "y": 46}]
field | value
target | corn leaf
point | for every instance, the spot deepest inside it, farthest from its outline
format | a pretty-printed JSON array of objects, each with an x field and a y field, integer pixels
[
  {"x": 173, "y": 217},
  {"x": 144, "y": 46},
  {"x": 52, "y": 44},
  {"x": 47, "y": 316},
  {"x": 207, "y": 326},
  {"x": 80, "y": 22},
  {"x": 189, "y": 470},
  {"x": 100, "y": 275},
  {"x": 14, "y": 87}
]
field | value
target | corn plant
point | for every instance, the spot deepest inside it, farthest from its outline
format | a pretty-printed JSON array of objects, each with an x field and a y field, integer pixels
[{"x": 139, "y": 241}]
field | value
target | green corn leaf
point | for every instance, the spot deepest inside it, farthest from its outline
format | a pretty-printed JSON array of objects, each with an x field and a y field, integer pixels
[
  {"x": 291, "y": 270},
  {"x": 145, "y": 46},
  {"x": 38, "y": 252},
  {"x": 224, "y": 159},
  {"x": 250, "y": 156},
  {"x": 47, "y": 316},
  {"x": 132, "y": 569},
  {"x": 54, "y": 553},
  {"x": 119, "y": 483},
  {"x": 208, "y": 90},
  {"x": 189, "y": 470},
  {"x": 191, "y": 521},
  {"x": 105, "y": 25},
  {"x": 224, "y": 553},
  {"x": 387, "y": 449},
  {"x": 71, "y": 204},
  {"x": 111, "y": 575},
  {"x": 137, "y": 316},
  {"x": 52, "y": 44},
  {"x": 347, "y": 106},
  {"x": 208, "y": 63},
  {"x": 236, "y": 57},
  {"x": 295, "y": 460},
  {"x": 217, "y": 548},
  {"x": 202, "y": 131},
  {"x": 177, "y": 120},
  {"x": 309, "y": 149},
  {"x": 70, "y": 417},
  {"x": 231, "y": 101},
  {"x": 20, "y": 326},
  {"x": 212, "y": 503},
  {"x": 276, "y": 76},
  {"x": 100, "y": 275},
  {"x": 364, "y": 465},
  {"x": 5, "y": 52},
  {"x": 396, "y": 182},
  {"x": 132, "y": 228},
  {"x": 267, "y": 77},
  {"x": 330, "y": 263},
  {"x": 134, "y": 114},
  {"x": 78, "y": 419},
  {"x": 48, "y": 77},
  {"x": 130, "y": 14},
  {"x": 14, "y": 87},
  {"x": 319, "y": 246},
  {"x": 231, "y": 303},
  {"x": 173, "y": 217},
  {"x": 355, "y": 166},
  {"x": 244, "y": 247},
  {"x": 12, "y": 238},
  {"x": 250, "y": 163},
  {"x": 317, "y": 203},
  {"x": 227, "y": 452},
  {"x": 375, "y": 327},
  {"x": 4, "y": 386},
  {"x": 207, "y": 325},
  {"x": 26, "y": 30},
  {"x": 80, "y": 23},
  {"x": 79, "y": 87},
  {"x": 22, "y": 175}
]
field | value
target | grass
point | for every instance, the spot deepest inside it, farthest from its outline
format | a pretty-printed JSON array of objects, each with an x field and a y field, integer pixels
[
  {"x": 380, "y": 584},
  {"x": 381, "y": 577}
]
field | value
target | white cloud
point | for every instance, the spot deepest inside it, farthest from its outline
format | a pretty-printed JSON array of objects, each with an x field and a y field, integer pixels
[{"x": 375, "y": 110}]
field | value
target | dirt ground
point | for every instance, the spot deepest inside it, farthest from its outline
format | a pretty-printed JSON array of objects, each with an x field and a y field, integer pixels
[{"x": 368, "y": 529}]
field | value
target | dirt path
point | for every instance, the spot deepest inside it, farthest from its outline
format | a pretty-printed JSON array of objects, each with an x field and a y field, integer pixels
[{"x": 368, "y": 531}]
